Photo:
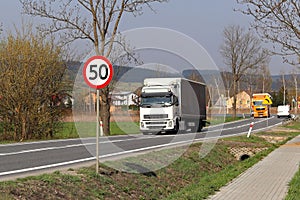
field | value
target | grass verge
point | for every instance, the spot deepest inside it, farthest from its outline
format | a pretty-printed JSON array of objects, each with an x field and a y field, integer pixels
[
  {"x": 189, "y": 177},
  {"x": 86, "y": 129},
  {"x": 215, "y": 120},
  {"x": 294, "y": 185},
  {"x": 70, "y": 130}
]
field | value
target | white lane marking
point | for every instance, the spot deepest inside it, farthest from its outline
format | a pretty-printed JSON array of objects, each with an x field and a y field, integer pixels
[
  {"x": 64, "y": 147},
  {"x": 87, "y": 159},
  {"x": 45, "y": 166},
  {"x": 89, "y": 138},
  {"x": 242, "y": 133},
  {"x": 104, "y": 142},
  {"x": 92, "y": 158},
  {"x": 120, "y": 153},
  {"x": 65, "y": 140},
  {"x": 43, "y": 149},
  {"x": 232, "y": 122},
  {"x": 41, "y": 142},
  {"x": 224, "y": 129}
]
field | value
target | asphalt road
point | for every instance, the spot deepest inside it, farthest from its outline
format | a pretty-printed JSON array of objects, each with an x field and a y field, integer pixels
[{"x": 22, "y": 159}]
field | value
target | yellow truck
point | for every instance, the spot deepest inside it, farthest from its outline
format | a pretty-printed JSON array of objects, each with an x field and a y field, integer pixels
[{"x": 260, "y": 105}]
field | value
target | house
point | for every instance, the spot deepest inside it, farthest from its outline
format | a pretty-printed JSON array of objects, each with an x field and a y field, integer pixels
[
  {"x": 123, "y": 98},
  {"x": 243, "y": 101},
  {"x": 118, "y": 99}
]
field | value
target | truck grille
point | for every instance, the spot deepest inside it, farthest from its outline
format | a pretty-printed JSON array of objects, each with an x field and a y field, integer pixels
[
  {"x": 156, "y": 127},
  {"x": 155, "y": 123},
  {"x": 260, "y": 108},
  {"x": 158, "y": 116}
]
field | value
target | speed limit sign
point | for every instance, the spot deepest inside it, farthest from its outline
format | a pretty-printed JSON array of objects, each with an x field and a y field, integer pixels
[{"x": 97, "y": 72}]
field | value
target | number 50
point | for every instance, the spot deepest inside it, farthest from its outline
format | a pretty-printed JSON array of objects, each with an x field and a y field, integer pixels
[{"x": 102, "y": 72}]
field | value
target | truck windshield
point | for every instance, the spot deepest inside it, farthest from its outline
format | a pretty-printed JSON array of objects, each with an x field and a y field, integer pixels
[
  {"x": 149, "y": 101},
  {"x": 257, "y": 103}
]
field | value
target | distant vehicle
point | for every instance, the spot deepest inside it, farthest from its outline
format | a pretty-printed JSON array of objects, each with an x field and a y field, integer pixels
[
  {"x": 283, "y": 111},
  {"x": 260, "y": 106},
  {"x": 172, "y": 104}
]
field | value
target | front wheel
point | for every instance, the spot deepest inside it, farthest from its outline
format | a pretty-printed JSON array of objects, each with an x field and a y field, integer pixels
[
  {"x": 200, "y": 126},
  {"x": 176, "y": 128}
]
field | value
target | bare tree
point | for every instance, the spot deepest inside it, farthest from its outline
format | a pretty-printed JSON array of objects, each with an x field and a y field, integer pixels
[
  {"x": 292, "y": 87},
  {"x": 265, "y": 78},
  {"x": 94, "y": 20},
  {"x": 260, "y": 79},
  {"x": 227, "y": 80},
  {"x": 277, "y": 21},
  {"x": 241, "y": 51}
]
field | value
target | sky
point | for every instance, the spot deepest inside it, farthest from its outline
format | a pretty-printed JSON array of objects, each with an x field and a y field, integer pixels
[{"x": 202, "y": 20}]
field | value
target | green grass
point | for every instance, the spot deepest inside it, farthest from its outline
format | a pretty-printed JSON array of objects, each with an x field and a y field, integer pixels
[
  {"x": 252, "y": 139},
  {"x": 294, "y": 185},
  {"x": 209, "y": 183},
  {"x": 68, "y": 130},
  {"x": 121, "y": 128},
  {"x": 86, "y": 129},
  {"x": 215, "y": 120},
  {"x": 293, "y": 125}
]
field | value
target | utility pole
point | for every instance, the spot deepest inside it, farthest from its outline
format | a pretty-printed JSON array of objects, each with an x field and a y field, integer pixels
[
  {"x": 283, "y": 82},
  {"x": 296, "y": 92}
]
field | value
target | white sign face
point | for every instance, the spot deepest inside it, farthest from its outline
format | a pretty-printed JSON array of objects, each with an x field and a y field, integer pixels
[{"x": 97, "y": 72}]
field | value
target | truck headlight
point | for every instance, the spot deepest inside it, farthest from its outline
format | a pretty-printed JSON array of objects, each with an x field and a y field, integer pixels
[
  {"x": 170, "y": 124},
  {"x": 142, "y": 124}
]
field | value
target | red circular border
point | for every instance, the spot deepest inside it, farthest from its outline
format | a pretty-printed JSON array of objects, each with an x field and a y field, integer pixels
[{"x": 110, "y": 74}]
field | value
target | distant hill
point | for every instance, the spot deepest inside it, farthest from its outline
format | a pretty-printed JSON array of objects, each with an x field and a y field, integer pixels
[
  {"x": 277, "y": 81},
  {"x": 137, "y": 75},
  {"x": 122, "y": 73}
]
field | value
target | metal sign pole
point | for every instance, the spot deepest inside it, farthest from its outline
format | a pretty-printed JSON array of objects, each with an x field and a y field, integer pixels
[
  {"x": 93, "y": 70},
  {"x": 97, "y": 134}
]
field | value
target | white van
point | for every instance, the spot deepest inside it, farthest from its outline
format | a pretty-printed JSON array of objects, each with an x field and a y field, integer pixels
[{"x": 283, "y": 111}]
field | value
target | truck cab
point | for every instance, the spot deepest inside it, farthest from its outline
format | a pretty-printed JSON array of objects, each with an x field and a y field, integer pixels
[
  {"x": 261, "y": 103},
  {"x": 172, "y": 104},
  {"x": 159, "y": 109}
]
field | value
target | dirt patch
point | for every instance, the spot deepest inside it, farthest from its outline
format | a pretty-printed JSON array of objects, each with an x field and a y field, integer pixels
[
  {"x": 273, "y": 139},
  {"x": 281, "y": 129}
]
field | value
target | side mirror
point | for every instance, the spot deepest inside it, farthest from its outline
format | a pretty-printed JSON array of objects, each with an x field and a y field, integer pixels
[
  {"x": 137, "y": 101},
  {"x": 175, "y": 101}
]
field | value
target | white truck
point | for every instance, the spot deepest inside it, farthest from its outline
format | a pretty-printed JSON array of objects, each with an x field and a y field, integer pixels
[{"x": 172, "y": 104}]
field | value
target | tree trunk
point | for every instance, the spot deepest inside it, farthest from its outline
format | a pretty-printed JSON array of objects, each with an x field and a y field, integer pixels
[
  {"x": 23, "y": 128},
  {"x": 105, "y": 111},
  {"x": 15, "y": 130},
  {"x": 234, "y": 97}
]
